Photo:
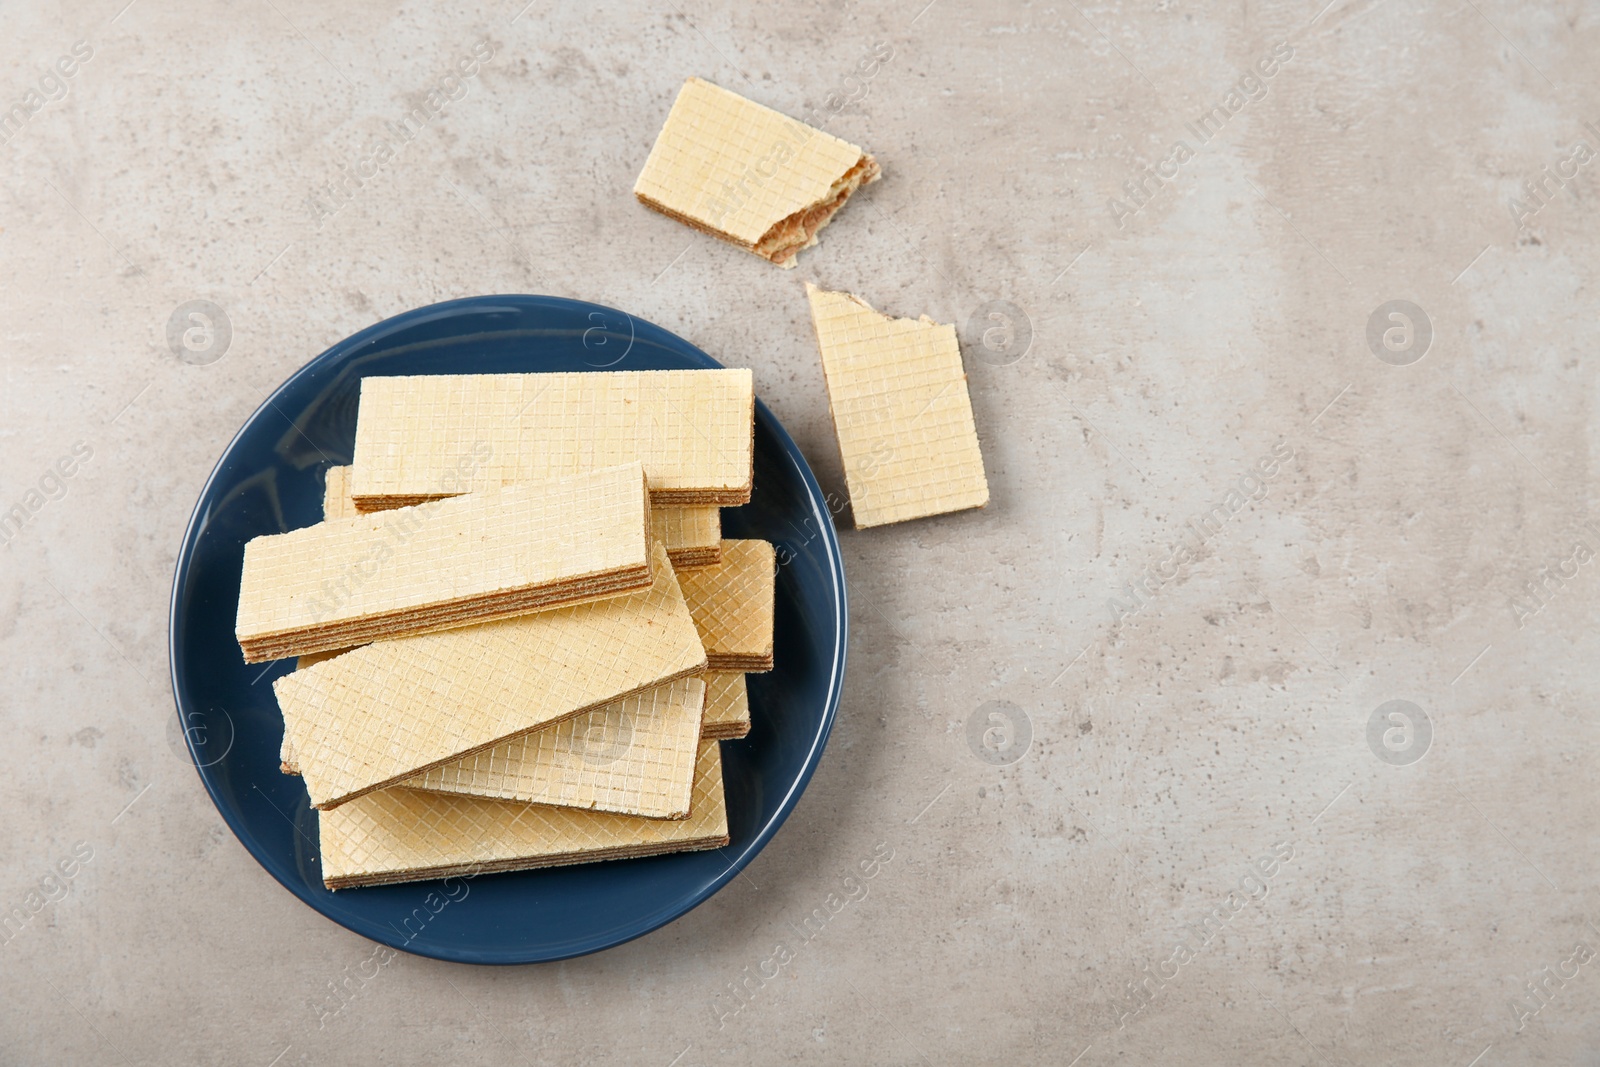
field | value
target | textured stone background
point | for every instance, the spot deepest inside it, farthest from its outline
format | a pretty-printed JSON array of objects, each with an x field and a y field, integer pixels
[{"x": 1171, "y": 746}]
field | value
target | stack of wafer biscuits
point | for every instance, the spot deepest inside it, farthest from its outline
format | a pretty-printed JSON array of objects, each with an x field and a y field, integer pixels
[{"x": 519, "y": 631}]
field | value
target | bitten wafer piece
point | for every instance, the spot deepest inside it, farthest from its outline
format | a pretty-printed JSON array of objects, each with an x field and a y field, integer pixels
[
  {"x": 747, "y": 174},
  {"x": 336, "y": 500},
  {"x": 406, "y": 835},
  {"x": 732, "y": 604},
  {"x": 727, "y": 716},
  {"x": 501, "y": 552},
  {"x": 900, "y": 410},
  {"x": 428, "y": 436},
  {"x": 634, "y": 756},
  {"x": 393, "y": 709}
]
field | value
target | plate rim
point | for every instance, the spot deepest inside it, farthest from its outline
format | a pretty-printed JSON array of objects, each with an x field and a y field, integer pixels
[{"x": 651, "y": 921}]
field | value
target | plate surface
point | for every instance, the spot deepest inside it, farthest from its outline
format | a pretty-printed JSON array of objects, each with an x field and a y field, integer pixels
[{"x": 270, "y": 479}]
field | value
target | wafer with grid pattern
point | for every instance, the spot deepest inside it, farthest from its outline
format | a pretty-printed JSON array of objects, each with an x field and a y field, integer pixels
[
  {"x": 406, "y": 835},
  {"x": 901, "y": 412},
  {"x": 286, "y": 760},
  {"x": 393, "y": 709},
  {"x": 693, "y": 536},
  {"x": 336, "y": 500},
  {"x": 427, "y": 436},
  {"x": 727, "y": 716},
  {"x": 488, "y": 555},
  {"x": 752, "y": 176},
  {"x": 732, "y": 605},
  {"x": 634, "y": 756}
]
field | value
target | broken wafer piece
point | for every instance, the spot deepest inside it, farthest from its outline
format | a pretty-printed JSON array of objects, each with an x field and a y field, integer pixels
[
  {"x": 428, "y": 436},
  {"x": 752, "y": 176},
  {"x": 493, "y": 554},
  {"x": 393, "y": 709},
  {"x": 634, "y": 756},
  {"x": 407, "y": 835},
  {"x": 727, "y": 716},
  {"x": 900, "y": 407},
  {"x": 732, "y": 605},
  {"x": 336, "y": 500}
]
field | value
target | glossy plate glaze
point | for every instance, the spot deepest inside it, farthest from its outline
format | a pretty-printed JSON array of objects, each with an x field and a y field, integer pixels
[{"x": 270, "y": 479}]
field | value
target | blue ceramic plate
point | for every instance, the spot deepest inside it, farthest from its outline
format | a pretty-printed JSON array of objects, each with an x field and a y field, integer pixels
[{"x": 270, "y": 480}]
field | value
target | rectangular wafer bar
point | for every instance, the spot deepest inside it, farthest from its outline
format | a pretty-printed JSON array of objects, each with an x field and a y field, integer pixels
[
  {"x": 727, "y": 715},
  {"x": 500, "y": 552},
  {"x": 693, "y": 536},
  {"x": 393, "y": 709},
  {"x": 900, "y": 407},
  {"x": 726, "y": 718},
  {"x": 407, "y": 835},
  {"x": 752, "y": 176},
  {"x": 634, "y": 756},
  {"x": 732, "y": 604},
  {"x": 427, "y": 436}
]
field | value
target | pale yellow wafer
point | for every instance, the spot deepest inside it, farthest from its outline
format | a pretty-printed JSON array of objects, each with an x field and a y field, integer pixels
[
  {"x": 693, "y": 536},
  {"x": 286, "y": 760},
  {"x": 396, "y": 708},
  {"x": 336, "y": 500},
  {"x": 492, "y": 554},
  {"x": 900, "y": 409},
  {"x": 732, "y": 604},
  {"x": 406, "y": 835},
  {"x": 432, "y": 435},
  {"x": 752, "y": 176},
  {"x": 634, "y": 756},
  {"x": 727, "y": 716}
]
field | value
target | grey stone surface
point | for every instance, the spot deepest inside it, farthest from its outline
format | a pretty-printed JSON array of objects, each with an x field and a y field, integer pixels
[{"x": 1177, "y": 736}]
